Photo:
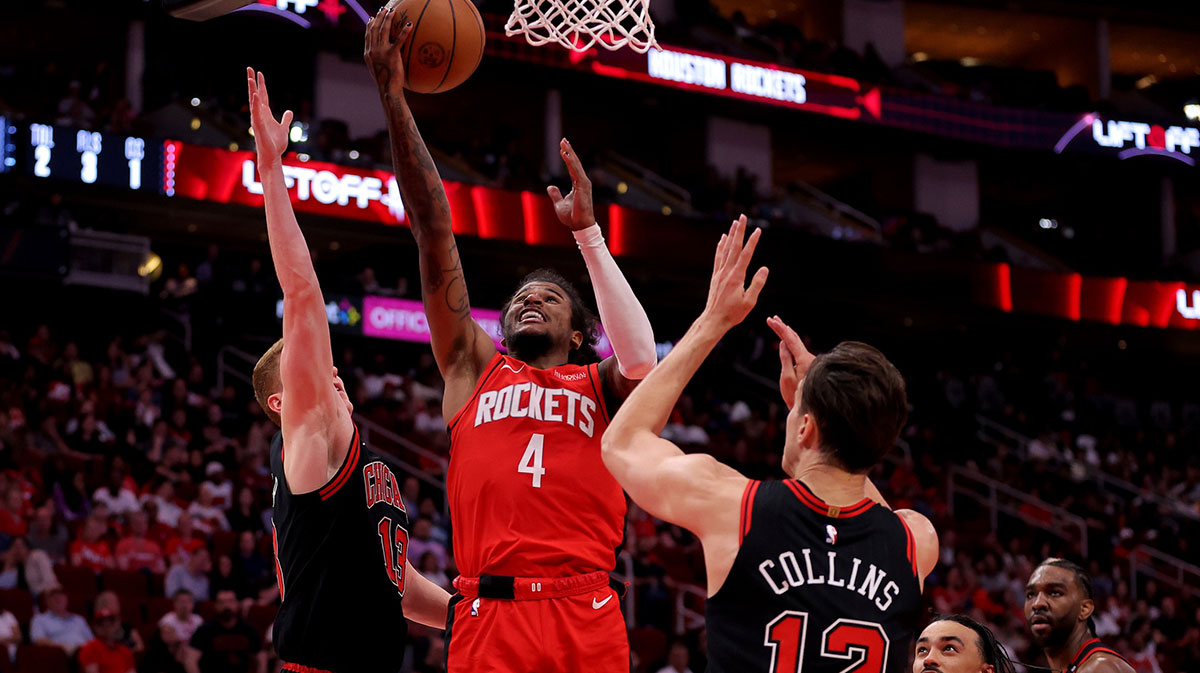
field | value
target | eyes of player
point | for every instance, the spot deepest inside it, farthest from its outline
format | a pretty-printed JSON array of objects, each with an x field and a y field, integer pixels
[{"x": 922, "y": 650}]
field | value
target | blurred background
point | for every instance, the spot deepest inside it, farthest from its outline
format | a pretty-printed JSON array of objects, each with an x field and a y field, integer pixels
[{"x": 1003, "y": 198}]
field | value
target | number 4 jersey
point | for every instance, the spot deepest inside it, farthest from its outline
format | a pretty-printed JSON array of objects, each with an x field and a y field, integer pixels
[
  {"x": 815, "y": 588},
  {"x": 339, "y": 558},
  {"x": 529, "y": 495}
]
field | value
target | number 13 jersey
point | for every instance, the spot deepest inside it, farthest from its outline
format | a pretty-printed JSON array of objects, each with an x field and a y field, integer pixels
[{"x": 529, "y": 494}]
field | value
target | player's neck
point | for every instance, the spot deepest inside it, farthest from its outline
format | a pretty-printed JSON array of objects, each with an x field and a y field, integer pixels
[
  {"x": 547, "y": 360},
  {"x": 1060, "y": 658},
  {"x": 835, "y": 486}
]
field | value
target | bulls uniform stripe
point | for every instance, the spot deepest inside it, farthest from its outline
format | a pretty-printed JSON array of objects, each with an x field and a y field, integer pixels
[
  {"x": 1088, "y": 649},
  {"x": 497, "y": 360},
  {"x": 747, "y": 509},
  {"x": 821, "y": 507},
  {"x": 348, "y": 465},
  {"x": 910, "y": 547}
]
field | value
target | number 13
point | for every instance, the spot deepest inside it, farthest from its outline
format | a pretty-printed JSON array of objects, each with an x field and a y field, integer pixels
[{"x": 863, "y": 644}]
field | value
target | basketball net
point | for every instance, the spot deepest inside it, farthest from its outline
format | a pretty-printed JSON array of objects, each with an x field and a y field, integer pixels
[{"x": 579, "y": 25}]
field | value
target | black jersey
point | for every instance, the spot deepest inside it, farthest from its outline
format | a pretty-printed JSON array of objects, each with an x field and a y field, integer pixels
[
  {"x": 1089, "y": 648},
  {"x": 815, "y": 588},
  {"x": 339, "y": 557}
]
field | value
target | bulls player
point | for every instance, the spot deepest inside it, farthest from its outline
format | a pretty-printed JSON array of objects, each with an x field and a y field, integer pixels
[
  {"x": 1058, "y": 609},
  {"x": 959, "y": 644},
  {"x": 536, "y": 518},
  {"x": 814, "y": 569},
  {"x": 339, "y": 523}
]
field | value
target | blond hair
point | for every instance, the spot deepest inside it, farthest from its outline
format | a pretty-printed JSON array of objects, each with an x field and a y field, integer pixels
[{"x": 266, "y": 379}]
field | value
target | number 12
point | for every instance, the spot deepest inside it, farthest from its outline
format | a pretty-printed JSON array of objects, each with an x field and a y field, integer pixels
[{"x": 863, "y": 644}]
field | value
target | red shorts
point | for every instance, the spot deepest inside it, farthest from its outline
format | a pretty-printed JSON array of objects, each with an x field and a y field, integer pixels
[{"x": 549, "y": 625}]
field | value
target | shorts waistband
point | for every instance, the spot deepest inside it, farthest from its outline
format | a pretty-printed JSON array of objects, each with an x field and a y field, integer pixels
[
  {"x": 530, "y": 588},
  {"x": 300, "y": 668}
]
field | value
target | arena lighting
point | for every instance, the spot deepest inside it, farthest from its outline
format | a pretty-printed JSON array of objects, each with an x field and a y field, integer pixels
[
  {"x": 354, "y": 154},
  {"x": 920, "y": 57},
  {"x": 1192, "y": 110},
  {"x": 195, "y": 123},
  {"x": 151, "y": 267},
  {"x": 969, "y": 61},
  {"x": 1047, "y": 223},
  {"x": 195, "y": 102}
]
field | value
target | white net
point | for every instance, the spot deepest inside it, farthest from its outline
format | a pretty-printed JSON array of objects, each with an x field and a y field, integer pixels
[{"x": 581, "y": 24}]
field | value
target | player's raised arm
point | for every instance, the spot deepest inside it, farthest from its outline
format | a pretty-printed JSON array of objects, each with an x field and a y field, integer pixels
[
  {"x": 460, "y": 345},
  {"x": 694, "y": 491},
  {"x": 314, "y": 416},
  {"x": 622, "y": 315}
]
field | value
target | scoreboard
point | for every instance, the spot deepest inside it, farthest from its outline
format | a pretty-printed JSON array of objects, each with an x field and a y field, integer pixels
[{"x": 81, "y": 155}]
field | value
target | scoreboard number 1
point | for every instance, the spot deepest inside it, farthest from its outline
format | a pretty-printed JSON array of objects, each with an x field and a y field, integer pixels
[{"x": 135, "y": 151}]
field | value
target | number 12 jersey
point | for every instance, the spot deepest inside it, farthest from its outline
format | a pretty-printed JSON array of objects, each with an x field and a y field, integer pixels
[{"x": 529, "y": 494}]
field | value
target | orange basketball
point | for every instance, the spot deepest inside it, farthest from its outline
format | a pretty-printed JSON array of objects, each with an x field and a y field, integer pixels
[{"x": 446, "y": 43}]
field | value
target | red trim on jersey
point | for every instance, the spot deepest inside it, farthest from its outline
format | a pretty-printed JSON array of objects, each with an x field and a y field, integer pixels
[
  {"x": 819, "y": 506},
  {"x": 910, "y": 546},
  {"x": 492, "y": 366},
  {"x": 597, "y": 382},
  {"x": 1076, "y": 662},
  {"x": 328, "y": 490},
  {"x": 299, "y": 668},
  {"x": 747, "y": 509}
]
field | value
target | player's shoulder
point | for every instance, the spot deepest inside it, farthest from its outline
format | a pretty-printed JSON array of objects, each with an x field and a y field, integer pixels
[{"x": 1106, "y": 662}]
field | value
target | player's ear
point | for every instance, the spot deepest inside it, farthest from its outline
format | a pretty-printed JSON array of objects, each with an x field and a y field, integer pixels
[
  {"x": 576, "y": 340},
  {"x": 987, "y": 668},
  {"x": 1086, "y": 607},
  {"x": 275, "y": 402},
  {"x": 808, "y": 436}
]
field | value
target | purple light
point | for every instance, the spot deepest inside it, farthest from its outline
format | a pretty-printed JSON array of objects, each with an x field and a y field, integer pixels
[
  {"x": 303, "y": 23},
  {"x": 362, "y": 13},
  {"x": 1135, "y": 152},
  {"x": 1079, "y": 126}
]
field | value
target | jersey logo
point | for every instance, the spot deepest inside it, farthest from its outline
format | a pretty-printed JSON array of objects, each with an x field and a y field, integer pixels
[
  {"x": 475, "y": 608},
  {"x": 596, "y": 605},
  {"x": 830, "y": 534},
  {"x": 509, "y": 368},
  {"x": 529, "y": 400},
  {"x": 380, "y": 485}
]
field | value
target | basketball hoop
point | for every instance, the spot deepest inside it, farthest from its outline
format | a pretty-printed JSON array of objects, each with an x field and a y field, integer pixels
[{"x": 581, "y": 24}]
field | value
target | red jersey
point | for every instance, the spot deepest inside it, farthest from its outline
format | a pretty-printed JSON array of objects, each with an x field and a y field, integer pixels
[{"x": 529, "y": 494}]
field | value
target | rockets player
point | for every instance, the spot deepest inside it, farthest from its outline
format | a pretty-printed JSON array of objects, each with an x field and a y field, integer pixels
[
  {"x": 1058, "y": 608},
  {"x": 536, "y": 517},
  {"x": 339, "y": 524},
  {"x": 814, "y": 569}
]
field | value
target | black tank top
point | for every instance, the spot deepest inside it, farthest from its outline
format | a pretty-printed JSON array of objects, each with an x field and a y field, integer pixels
[
  {"x": 1087, "y": 650},
  {"x": 830, "y": 589},
  {"x": 339, "y": 558}
]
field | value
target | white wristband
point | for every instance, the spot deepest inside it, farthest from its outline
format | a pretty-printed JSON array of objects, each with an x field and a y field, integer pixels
[{"x": 589, "y": 238}]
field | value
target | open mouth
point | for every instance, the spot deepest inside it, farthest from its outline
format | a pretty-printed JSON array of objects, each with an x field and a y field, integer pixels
[{"x": 530, "y": 316}]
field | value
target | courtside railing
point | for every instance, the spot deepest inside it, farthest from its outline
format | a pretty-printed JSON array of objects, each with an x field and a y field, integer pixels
[
  {"x": 686, "y": 618},
  {"x": 999, "y": 498},
  {"x": 1153, "y": 564}
]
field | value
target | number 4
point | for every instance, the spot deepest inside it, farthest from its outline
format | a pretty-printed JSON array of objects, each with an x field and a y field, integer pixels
[{"x": 531, "y": 462}]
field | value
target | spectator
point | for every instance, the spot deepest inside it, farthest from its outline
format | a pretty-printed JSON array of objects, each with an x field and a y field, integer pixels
[
  {"x": 105, "y": 653},
  {"x": 207, "y": 517},
  {"x": 218, "y": 485},
  {"x": 677, "y": 659},
  {"x": 430, "y": 570},
  {"x": 227, "y": 644},
  {"x": 169, "y": 511},
  {"x": 135, "y": 551},
  {"x": 47, "y": 535},
  {"x": 91, "y": 550},
  {"x": 166, "y": 653},
  {"x": 126, "y": 634},
  {"x": 249, "y": 563},
  {"x": 57, "y": 627},
  {"x": 225, "y": 577},
  {"x": 182, "y": 621},
  {"x": 192, "y": 575},
  {"x": 70, "y": 497},
  {"x": 186, "y": 543},
  {"x": 12, "y": 516},
  {"x": 10, "y": 633},
  {"x": 26, "y": 569},
  {"x": 245, "y": 515},
  {"x": 422, "y": 542},
  {"x": 119, "y": 499}
]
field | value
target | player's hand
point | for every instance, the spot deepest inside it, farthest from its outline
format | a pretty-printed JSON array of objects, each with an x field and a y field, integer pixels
[
  {"x": 270, "y": 136},
  {"x": 575, "y": 209},
  {"x": 794, "y": 359},
  {"x": 382, "y": 48},
  {"x": 729, "y": 300}
]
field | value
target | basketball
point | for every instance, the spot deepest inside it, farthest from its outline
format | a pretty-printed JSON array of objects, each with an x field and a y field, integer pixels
[{"x": 446, "y": 44}]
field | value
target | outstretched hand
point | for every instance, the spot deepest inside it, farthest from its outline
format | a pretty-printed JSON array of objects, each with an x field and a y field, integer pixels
[
  {"x": 270, "y": 136},
  {"x": 794, "y": 359},
  {"x": 382, "y": 48},
  {"x": 729, "y": 300},
  {"x": 575, "y": 209}
]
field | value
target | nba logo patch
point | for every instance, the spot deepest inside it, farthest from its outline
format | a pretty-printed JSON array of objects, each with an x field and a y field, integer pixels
[
  {"x": 830, "y": 534},
  {"x": 475, "y": 608}
]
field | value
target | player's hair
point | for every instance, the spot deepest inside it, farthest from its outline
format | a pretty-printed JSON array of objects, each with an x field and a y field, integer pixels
[
  {"x": 582, "y": 318},
  {"x": 266, "y": 379},
  {"x": 1082, "y": 579},
  {"x": 992, "y": 650},
  {"x": 858, "y": 400}
]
